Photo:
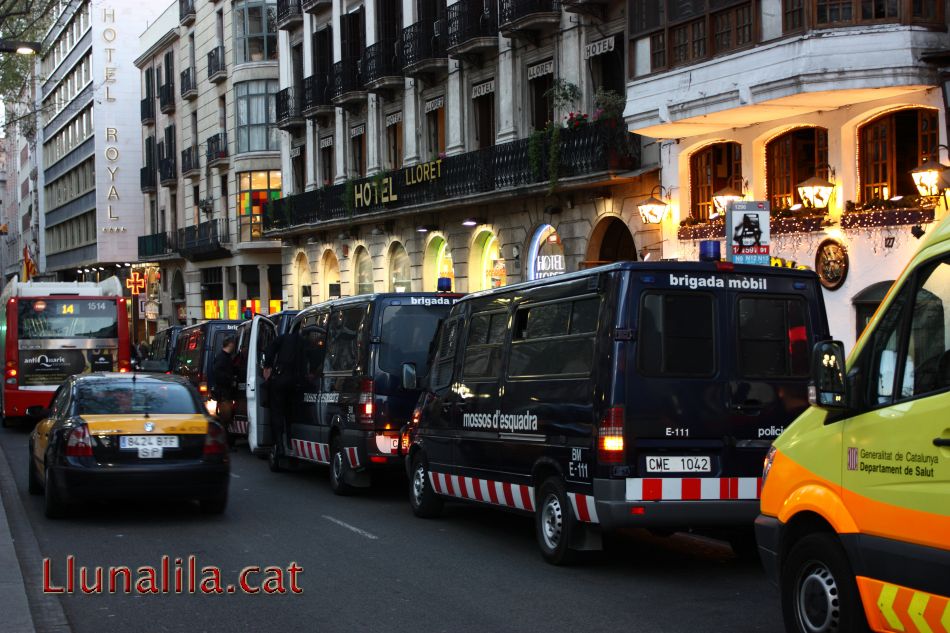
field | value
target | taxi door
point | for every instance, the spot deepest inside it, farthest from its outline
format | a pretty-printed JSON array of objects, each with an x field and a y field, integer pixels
[
  {"x": 259, "y": 431},
  {"x": 896, "y": 450}
]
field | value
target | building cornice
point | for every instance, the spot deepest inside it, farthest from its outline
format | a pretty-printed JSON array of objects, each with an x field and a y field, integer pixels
[{"x": 165, "y": 41}]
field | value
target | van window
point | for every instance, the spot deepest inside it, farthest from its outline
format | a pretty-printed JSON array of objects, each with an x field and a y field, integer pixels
[
  {"x": 486, "y": 334},
  {"x": 445, "y": 355},
  {"x": 676, "y": 334},
  {"x": 190, "y": 359},
  {"x": 554, "y": 339},
  {"x": 773, "y": 337},
  {"x": 159, "y": 346},
  {"x": 405, "y": 336},
  {"x": 344, "y": 338}
]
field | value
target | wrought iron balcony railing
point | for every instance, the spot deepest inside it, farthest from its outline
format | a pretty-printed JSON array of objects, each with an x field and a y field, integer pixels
[
  {"x": 382, "y": 66},
  {"x": 217, "y": 149},
  {"x": 316, "y": 94},
  {"x": 423, "y": 50},
  {"x": 156, "y": 245},
  {"x": 347, "y": 85},
  {"x": 189, "y": 88},
  {"x": 205, "y": 240},
  {"x": 289, "y": 13},
  {"x": 166, "y": 97},
  {"x": 148, "y": 110},
  {"x": 186, "y": 12},
  {"x": 472, "y": 24},
  {"x": 147, "y": 178},
  {"x": 190, "y": 161},
  {"x": 217, "y": 71},
  {"x": 168, "y": 171},
  {"x": 289, "y": 107},
  {"x": 516, "y": 15}
]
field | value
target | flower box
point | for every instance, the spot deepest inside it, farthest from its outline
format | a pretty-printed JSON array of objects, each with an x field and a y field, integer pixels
[
  {"x": 796, "y": 224},
  {"x": 886, "y": 217}
]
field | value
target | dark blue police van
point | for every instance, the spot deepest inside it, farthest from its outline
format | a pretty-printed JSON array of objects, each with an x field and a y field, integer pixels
[
  {"x": 629, "y": 395},
  {"x": 352, "y": 401}
]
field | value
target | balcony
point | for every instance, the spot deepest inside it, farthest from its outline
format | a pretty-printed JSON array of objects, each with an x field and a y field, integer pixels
[
  {"x": 382, "y": 69},
  {"x": 148, "y": 110},
  {"x": 190, "y": 162},
  {"x": 156, "y": 246},
  {"x": 590, "y": 156},
  {"x": 316, "y": 97},
  {"x": 596, "y": 9},
  {"x": 423, "y": 51},
  {"x": 168, "y": 172},
  {"x": 315, "y": 6},
  {"x": 217, "y": 152},
  {"x": 189, "y": 87},
  {"x": 289, "y": 14},
  {"x": 147, "y": 179},
  {"x": 217, "y": 71},
  {"x": 205, "y": 240},
  {"x": 166, "y": 97},
  {"x": 186, "y": 12},
  {"x": 347, "y": 87},
  {"x": 289, "y": 110},
  {"x": 528, "y": 18},
  {"x": 472, "y": 30}
]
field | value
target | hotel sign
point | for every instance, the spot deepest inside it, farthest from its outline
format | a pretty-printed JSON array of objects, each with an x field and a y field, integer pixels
[
  {"x": 540, "y": 70},
  {"x": 599, "y": 47}
]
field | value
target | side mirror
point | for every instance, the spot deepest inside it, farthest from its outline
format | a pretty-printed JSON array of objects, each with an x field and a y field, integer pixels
[
  {"x": 828, "y": 388},
  {"x": 409, "y": 379},
  {"x": 37, "y": 412}
]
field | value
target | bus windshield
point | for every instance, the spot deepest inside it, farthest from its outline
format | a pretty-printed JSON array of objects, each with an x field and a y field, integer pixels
[{"x": 43, "y": 318}]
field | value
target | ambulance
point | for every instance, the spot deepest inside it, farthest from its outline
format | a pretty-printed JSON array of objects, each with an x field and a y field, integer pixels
[{"x": 855, "y": 507}]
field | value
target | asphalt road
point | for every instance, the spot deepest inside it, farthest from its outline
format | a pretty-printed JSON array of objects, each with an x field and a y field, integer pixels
[{"x": 369, "y": 564}]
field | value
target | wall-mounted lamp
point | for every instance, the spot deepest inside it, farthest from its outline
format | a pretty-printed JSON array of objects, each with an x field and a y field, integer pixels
[
  {"x": 724, "y": 196},
  {"x": 473, "y": 221},
  {"x": 425, "y": 228},
  {"x": 815, "y": 192},
  {"x": 930, "y": 176},
  {"x": 653, "y": 209},
  {"x": 377, "y": 231}
]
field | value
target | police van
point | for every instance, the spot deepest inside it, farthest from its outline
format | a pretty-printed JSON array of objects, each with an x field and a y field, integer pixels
[
  {"x": 352, "y": 400},
  {"x": 629, "y": 395},
  {"x": 194, "y": 352}
]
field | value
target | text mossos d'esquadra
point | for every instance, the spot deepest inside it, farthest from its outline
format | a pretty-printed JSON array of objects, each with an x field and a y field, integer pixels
[
  {"x": 733, "y": 283},
  {"x": 498, "y": 421}
]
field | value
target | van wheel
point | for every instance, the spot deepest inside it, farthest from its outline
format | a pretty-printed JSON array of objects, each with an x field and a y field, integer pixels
[
  {"x": 274, "y": 458},
  {"x": 819, "y": 593},
  {"x": 338, "y": 468},
  {"x": 554, "y": 523},
  {"x": 423, "y": 499},
  {"x": 34, "y": 485},
  {"x": 55, "y": 505}
]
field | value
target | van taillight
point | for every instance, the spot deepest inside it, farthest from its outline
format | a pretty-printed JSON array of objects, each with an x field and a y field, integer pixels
[
  {"x": 610, "y": 437},
  {"x": 79, "y": 443},
  {"x": 365, "y": 403}
]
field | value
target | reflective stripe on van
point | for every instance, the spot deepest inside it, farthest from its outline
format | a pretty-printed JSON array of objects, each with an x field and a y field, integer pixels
[
  {"x": 694, "y": 489},
  {"x": 311, "y": 451},
  {"x": 494, "y": 492}
]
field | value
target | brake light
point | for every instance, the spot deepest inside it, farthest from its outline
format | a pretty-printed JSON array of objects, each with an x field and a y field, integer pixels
[
  {"x": 377, "y": 459},
  {"x": 416, "y": 415},
  {"x": 216, "y": 441},
  {"x": 11, "y": 373},
  {"x": 365, "y": 403},
  {"x": 610, "y": 437},
  {"x": 79, "y": 443},
  {"x": 726, "y": 266},
  {"x": 202, "y": 388}
]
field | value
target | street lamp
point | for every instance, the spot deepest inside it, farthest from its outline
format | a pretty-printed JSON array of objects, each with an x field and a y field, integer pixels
[
  {"x": 816, "y": 191},
  {"x": 724, "y": 196},
  {"x": 653, "y": 209},
  {"x": 20, "y": 48},
  {"x": 929, "y": 176}
]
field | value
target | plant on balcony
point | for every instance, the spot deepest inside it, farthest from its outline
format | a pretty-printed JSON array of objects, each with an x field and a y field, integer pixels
[
  {"x": 206, "y": 205},
  {"x": 554, "y": 157},
  {"x": 575, "y": 120},
  {"x": 349, "y": 196},
  {"x": 563, "y": 94},
  {"x": 535, "y": 152},
  {"x": 608, "y": 105}
]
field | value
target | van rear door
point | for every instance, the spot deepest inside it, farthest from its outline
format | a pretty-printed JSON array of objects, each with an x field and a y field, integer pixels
[{"x": 259, "y": 431}]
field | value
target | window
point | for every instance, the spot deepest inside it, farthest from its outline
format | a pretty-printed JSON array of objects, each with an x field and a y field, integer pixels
[
  {"x": 327, "y": 160},
  {"x": 676, "y": 335},
  {"x": 773, "y": 338},
  {"x": 542, "y": 109},
  {"x": 885, "y": 163},
  {"x": 364, "y": 272},
  {"x": 255, "y": 31},
  {"x": 445, "y": 356},
  {"x": 692, "y": 30},
  {"x": 486, "y": 335},
  {"x": 435, "y": 132},
  {"x": 394, "y": 142},
  {"x": 792, "y": 158},
  {"x": 358, "y": 151},
  {"x": 711, "y": 169},
  {"x": 483, "y": 108},
  {"x": 256, "y": 188},
  {"x": 405, "y": 336},
  {"x": 256, "y": 113},
  {"x": 555, "y": 339},
  {"x": 344, "y": 349}
]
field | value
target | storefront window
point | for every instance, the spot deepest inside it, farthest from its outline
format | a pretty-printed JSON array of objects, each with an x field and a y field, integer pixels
[
  {"x": 255, "y": 31},
  {"x": 256, "y": 113},
  {"x": 438, "y": 264},
  {"x": 792, "y": 158},
  {"x": 364, "y": 272},
  {"x": 885, "y": 162},
  {"x": 256, "y": 189},
  {"x": 399, "y": 273},
  {"x": 491, "y": 272},
  {"x": 546, "y": 254},
  {"x": 711, "y": 169}
]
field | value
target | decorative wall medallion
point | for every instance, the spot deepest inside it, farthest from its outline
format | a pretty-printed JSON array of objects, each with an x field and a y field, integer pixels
[{"x": 831, "y": 263}]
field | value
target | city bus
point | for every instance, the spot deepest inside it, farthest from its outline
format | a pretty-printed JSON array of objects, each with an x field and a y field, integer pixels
[{"x": 52, "y": 330}]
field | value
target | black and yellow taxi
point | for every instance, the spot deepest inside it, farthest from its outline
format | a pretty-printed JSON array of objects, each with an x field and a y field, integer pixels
[{"x": 113, "y": 436}]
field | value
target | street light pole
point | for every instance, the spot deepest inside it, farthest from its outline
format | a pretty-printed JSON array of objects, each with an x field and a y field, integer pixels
[{"x": 19, "y": 47}]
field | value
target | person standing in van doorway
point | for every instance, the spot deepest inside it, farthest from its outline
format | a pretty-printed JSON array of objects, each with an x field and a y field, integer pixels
[
  {"x": 224, "y": 385},
  {"x": 281, "y": 369}
]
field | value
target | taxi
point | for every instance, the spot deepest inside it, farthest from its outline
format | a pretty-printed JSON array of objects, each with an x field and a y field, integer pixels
[
  {"x": 855, "y": 508},
  {"x": 111, "y": 435}
]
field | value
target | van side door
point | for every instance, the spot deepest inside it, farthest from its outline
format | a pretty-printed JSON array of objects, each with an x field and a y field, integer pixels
[
  {"x": 347, "y": 331},
  {"x": 260, "y": 337},
  {"x": 441, "y": 423},
  {"x": 896, "y": 447}
]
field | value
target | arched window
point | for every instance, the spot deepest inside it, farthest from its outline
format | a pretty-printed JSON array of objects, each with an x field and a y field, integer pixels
[
  {"x": 710, "y": 169},
  {"x": 890, "y": 146},
  {"x": 363, "y": 270},
  {"x": 792, "y": 158},
  {"x": 400, "y": 279}
]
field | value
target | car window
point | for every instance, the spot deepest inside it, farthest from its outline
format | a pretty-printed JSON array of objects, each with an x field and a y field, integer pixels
[
  {"x": 555, "y": 339},
  {"x": 772, "y": 335},
  {"x": 445, "y": 354},
  {"x": 676, "y": 334},
  {"x": 883, "y": 354},
  {"x": 486, "y": 333},
  {"x": 134, "y": 397},
  {"x": 344, "y": 338}
]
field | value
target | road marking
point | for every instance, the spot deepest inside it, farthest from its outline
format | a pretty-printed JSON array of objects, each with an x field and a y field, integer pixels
[{"x": 352, "y": 528}]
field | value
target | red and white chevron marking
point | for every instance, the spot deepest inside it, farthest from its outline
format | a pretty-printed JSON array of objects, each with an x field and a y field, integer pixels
[
  {"x": 584, "y": 508},
  {"x": 238, "y": 427},
  {"x": 354, "y": 456},
  {"x": 311, "y": 451},
  {"x": 694, "y": 489},
  {"x": 494, "y": 492}
]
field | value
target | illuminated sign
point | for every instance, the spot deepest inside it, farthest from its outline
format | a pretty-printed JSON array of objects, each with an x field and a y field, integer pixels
[{"x": 136, "y": 282}]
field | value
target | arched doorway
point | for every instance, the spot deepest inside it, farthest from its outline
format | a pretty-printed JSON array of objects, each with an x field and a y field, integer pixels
[
  {"x": 362, "y": 272},
  {"x": 545, "y": 253},
  {"x": 330, "y": 276},
  {"x": 486, "y": 266},
  {"x": 437, "y": 263},
  {"x": 611, "y": 241},
  {"x": 302, "y": 277},
  {"x": 400, "y": 277}
]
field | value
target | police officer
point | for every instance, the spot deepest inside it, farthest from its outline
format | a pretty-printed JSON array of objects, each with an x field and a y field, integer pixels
[
  {"x": 281, "y": 374},
  {"x": 223, "y": 388}
]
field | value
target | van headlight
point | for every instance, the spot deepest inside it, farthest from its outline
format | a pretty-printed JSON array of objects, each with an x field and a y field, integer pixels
[{"x": 767, "y": 464}]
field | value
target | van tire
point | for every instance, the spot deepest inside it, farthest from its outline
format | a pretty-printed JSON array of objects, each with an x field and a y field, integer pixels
[
  {"x": 425, "y": 502},
  {"x": 274, "y": 458},
  {"x": 555, "y": 523},
  {"x": 34, "y": 485},
  {"x": 817, "y": 585},
  {"x": 338, "y": 468}
]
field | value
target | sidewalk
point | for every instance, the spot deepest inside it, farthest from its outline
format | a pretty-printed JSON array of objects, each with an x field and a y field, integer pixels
[{"x": 13, "y": 601}]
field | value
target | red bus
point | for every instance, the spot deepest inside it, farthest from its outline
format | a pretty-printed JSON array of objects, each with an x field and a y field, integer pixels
[{"x": 52, "y": 330}]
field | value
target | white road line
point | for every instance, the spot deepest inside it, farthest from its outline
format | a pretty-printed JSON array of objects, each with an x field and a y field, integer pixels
[{"x": 352, "y": 528}]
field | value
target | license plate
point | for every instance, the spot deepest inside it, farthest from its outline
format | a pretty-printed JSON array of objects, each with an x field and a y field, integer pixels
[
  {"x": 678, "y": 464},
  {"x": 132, "y": 442}
]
